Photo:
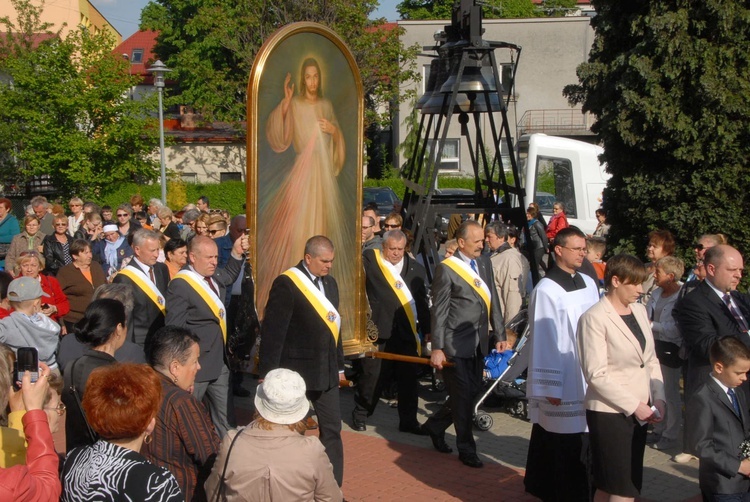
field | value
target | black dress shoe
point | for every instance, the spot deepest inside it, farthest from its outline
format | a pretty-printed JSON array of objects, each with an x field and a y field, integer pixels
[
  {"x": 471, "y": 460},
  {"x": 359, "y": 426},
  {"x": 414, "y": 429},
  {"x": 438, "y": 441}
]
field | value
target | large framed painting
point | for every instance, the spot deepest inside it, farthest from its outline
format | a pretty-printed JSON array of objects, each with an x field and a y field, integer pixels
[{"x": 304, "y": 144}]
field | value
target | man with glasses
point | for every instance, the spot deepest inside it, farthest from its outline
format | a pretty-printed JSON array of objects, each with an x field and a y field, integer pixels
[
  {"x": 75, "y": 219},
  {"x": 125, "y": 223},
  {"x": 369, "y": 239},
  {"x": 555, "y": 386}
]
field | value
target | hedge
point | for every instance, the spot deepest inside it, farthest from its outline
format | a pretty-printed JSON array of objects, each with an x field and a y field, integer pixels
[{"x": 230, "y": 195}]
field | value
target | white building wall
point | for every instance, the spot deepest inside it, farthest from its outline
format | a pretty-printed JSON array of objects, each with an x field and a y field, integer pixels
[{"x": 552, "y": 48}]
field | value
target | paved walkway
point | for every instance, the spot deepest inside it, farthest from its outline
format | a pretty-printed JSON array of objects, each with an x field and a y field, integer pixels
[{"x": 383, "y": 464}]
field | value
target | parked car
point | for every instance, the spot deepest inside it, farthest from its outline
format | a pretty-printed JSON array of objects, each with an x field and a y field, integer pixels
[
  {"x": 442, "y": 221},
  {"x": 384, "y": 197}
]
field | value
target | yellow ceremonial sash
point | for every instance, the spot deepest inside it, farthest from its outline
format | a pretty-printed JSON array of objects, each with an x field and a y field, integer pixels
[
  {"x": 208, "y": 296},
  {"x": 328, "y": 312},
  {"x": 147, "y": 288},
  {"x": 473, "y": 280},
  {"x": 401, "y": 290}
]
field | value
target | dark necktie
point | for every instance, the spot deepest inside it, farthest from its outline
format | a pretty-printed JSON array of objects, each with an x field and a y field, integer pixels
[
  {"x": 737, "y": 317},
  {"x": 474, "y": 266},
  {"x": 735, "y": 402},
  {"x": 211, "y": 285},
  {"x": 151, "y": 274}
]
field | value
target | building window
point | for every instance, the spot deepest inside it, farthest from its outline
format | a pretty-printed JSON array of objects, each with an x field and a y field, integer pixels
[
  {"x": 189, "y": 177},
  {"x": 137, "y": 56},
  {"x": 425, "y": 77},
  {"x": 450, "y": 159},
  {"x": 230, "y": 177}
]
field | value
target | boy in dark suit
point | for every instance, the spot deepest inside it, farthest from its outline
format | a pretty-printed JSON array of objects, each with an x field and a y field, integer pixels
[{"x": 718, "y": 422}]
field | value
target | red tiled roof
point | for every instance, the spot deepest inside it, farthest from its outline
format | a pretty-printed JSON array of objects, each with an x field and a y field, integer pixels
[{"x": 145, "y": 40}]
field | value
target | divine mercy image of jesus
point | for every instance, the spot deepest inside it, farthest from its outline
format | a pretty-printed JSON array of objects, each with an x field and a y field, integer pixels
[{"x": 304, "y": 196}]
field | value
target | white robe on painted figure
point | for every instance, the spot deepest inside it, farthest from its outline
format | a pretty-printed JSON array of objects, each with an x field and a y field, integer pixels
[{"x": 554, "y": 366}]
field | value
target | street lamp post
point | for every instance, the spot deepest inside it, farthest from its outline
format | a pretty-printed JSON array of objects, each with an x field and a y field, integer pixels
[{"x": 159, "y": 69}]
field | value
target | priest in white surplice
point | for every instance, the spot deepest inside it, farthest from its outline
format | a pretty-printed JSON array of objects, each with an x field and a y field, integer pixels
[{"x": 555, "y": 386}]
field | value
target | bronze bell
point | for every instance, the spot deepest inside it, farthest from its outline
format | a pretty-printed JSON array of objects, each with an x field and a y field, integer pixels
[
  {"x": 475, "y": 92},
  {"x": 431, "y": 84},
  {"x": 434, "y": 103}
]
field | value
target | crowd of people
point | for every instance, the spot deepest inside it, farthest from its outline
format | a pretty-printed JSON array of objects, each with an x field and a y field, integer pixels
[{"x": 128, "y": 312}]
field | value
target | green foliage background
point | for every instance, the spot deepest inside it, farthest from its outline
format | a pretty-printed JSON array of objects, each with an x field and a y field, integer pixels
[
  {"x": 669, "y": 83},
  {"x": 64, "y": 110}
]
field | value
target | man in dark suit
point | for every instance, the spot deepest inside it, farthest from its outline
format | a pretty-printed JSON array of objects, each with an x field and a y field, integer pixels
[
  {"x": 464, "y": 304},
  {"x": 194, "y": 301},
  {"x": 718, "y": 422},
  {"x": 300, "y": 332},
  {"x": 149, "y": 280},
  {"x": 395, "y": 282},
  {"x": 714, "y": 309}
]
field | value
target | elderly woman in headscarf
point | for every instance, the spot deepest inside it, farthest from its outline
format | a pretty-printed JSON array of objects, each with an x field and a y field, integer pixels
[{"x": 112, "y": 250}]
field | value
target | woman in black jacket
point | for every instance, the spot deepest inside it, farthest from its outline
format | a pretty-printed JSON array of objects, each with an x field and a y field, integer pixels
[{"x": 57, "y": 246}]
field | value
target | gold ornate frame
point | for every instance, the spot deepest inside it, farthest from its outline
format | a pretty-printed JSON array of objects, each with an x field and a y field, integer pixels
[{"x": 311, "y": 38}]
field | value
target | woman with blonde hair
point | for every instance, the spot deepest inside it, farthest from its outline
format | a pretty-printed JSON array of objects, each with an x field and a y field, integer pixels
[
  {"x": 56, "y": 247},
  {"x": 28, "y": 240},
  {"x": 54, "y": 302}
]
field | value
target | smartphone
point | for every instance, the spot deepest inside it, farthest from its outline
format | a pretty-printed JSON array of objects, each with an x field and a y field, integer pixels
[{"x": 27, "y": 359}]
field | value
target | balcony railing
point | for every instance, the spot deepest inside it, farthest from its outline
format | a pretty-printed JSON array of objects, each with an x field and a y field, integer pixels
[{"x": 555, "y": 121}]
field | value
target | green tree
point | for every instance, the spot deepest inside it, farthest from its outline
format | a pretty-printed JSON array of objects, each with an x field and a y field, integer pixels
[
  {"x": 669, "y": 83},
  {"x": 211, "y": 45},
  {"x": 493, "y": 9},
  {"x": 64, "y": 110}
]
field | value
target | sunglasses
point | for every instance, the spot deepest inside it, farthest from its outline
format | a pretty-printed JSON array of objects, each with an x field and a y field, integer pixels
[
  {"x": 698, "y": 247},
  {"x": 390, "y": 226},
  {"x": 122, "y": 215},
  {"x": 213, "y": 232}
]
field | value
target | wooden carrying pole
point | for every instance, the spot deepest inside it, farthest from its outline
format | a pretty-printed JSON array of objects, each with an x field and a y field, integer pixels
[{"x": 405, "y": 359}]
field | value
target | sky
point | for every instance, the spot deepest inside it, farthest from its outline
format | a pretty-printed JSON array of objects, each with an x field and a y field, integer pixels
[{"x": 125, "y": 15}]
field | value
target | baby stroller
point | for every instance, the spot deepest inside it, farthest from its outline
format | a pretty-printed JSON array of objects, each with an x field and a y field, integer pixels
[{"x": 506, "y": 372}]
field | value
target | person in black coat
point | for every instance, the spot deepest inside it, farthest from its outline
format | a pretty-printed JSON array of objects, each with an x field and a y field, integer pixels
[
  {"x": 195, "y": 301},
  {"x": 56, "y": 247},
  {"x": 718, "y": 422},
  {"x": 392, "y": 277},
  {"x": 704, "y": 316},
  {"x": 296, "y": 336},
  {"x": 149, "y": 280},
  {"x": 464, "y": 306}
]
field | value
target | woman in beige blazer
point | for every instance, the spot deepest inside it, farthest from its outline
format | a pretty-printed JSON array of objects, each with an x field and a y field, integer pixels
[{"x": 616, "y": 350}]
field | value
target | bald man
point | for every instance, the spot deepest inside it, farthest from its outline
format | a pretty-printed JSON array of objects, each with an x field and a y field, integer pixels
[
  {"x": 713, "y": 310},
  {"x": 195, "y": 301}
]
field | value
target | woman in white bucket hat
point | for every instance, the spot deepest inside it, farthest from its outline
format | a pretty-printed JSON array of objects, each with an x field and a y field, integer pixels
[{"x": 272, "y": 459}]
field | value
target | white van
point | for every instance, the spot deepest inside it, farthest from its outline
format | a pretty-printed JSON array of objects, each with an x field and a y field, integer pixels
[{"x": 564, "y": 170}]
